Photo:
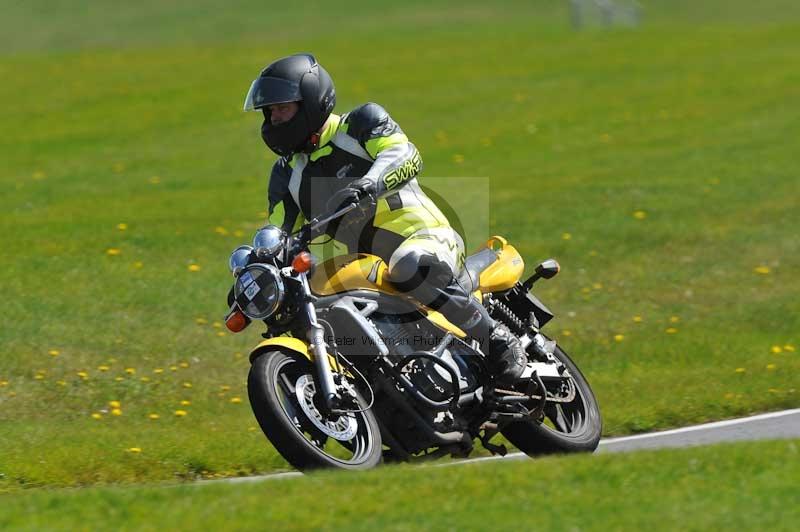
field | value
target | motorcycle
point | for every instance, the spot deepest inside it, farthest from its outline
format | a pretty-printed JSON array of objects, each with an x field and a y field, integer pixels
[{"x": 352, "y": 372}]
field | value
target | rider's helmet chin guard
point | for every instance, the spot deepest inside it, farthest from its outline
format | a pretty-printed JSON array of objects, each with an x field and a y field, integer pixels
[{"x": 297, "y": 78}]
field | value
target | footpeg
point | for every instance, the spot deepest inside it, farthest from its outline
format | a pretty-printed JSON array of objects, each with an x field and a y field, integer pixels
[{"x": 543, "y": 346}]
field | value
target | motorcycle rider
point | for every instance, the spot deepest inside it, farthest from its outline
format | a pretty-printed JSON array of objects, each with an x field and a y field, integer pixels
[{"x": 327, "y": 160}]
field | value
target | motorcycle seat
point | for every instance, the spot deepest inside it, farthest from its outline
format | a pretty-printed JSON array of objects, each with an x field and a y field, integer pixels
[{"x": 476, "y": 263}]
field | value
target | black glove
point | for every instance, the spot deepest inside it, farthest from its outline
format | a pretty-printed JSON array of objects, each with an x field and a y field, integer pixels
[
  {"x": 364, "y": 185},
  {"x": 353, "y": 193}
]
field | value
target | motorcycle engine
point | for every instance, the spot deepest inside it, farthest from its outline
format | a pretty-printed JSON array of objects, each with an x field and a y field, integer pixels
[{"x": 405, "y": 337}]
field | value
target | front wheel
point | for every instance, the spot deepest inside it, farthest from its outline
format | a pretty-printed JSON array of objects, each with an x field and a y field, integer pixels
[
  {"x": 284, "y": 400},
  {"x": 567, "y": 427}
]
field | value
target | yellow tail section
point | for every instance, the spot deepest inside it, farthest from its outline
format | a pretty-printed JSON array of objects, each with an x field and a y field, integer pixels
[{"x": 506, "y": 271}]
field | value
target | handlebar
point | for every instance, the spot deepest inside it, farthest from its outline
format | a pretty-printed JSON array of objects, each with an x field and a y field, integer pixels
[
  {"x": 321, "y": 221},
  {"x": 308, "y": 232}
]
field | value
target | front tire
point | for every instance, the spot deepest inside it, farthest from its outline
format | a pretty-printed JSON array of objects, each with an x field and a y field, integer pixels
[
  {"x": 573, "y": 427},
  {"x": 282, "y": 395}
]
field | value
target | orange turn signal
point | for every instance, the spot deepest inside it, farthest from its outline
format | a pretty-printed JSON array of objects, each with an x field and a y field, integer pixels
[
  {"x": 236, "y": 321},
  {"x": 303, "y": 262}
]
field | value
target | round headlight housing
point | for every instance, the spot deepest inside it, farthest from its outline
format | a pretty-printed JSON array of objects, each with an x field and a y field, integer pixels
[
  {"x": 259, "y": 290},
  {"x": 239, "y": 259},
  {"x": 269, "y": 241}
]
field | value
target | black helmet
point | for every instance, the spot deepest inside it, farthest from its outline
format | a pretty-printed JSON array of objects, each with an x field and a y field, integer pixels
[{"x": 297, "y": 78}]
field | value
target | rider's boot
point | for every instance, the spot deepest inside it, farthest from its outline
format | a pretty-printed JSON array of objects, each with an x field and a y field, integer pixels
[{"x": 506, "y": 356}]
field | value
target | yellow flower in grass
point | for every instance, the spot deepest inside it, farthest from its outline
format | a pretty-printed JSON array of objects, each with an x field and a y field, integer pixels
[
  {"x": 776, "y": 349},
  {"x": 61, "y": 383},
  {"x": 114, "y": 404},
  {"x": 194, "y": 268},
  {"x": 134, "y": 450},
  {"x": 619, "y": 337},
  {"x": 184, "y": 364},
  {"x": 639, "y": 215},
  {"x": 220, "y": 230},
  {"x": 83, "y": 375},
  {"x": 3, "y": 383},
  {"x": 671, "y": 330},
  {"x": 566, "y": 332},
  {"x": 145, "y": 379},
  {"x": 116, "y": 412},
  {"x": 180, "y": 413},
  {"x": 153, "y": 416},
  {"x": 771, "y": 366},
  {"x": 38, "y": 377},
  {"x": 103, "y": 368},
  {"x": 97, "y": 415},
  {"x": 236, "y": 400},
  {"x": 224, "y": 388},
  {"x": 200, "y": 321},
  {"x": 763, "y": 270},
  {"x": 118, "y": 379},
  {"x": 112, "y": 252},
  {"x": 221, "y": 333},
  {"x": 566, "y": 236},
  {"x": 187, "y": 384},
  {"x": 637, "y": 319},
  {"x": 674, "y": 319},
  {"x": 788, "y": 347},
  {"x": 186, "y": 402},
  {"x": 122, "y": 226},
  {"x": 740, "y": 370},
  {"x": 54, "y": 352},
  {"x": 158, "y": 370},
  {"x": 130, "y": 371}
]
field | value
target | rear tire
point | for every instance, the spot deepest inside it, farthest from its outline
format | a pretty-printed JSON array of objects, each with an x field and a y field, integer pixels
[
  {"x": 271, "y": 387},
  {"x": 577, "y": 426}
]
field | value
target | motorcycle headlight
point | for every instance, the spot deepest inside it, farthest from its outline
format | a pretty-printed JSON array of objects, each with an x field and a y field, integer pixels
[
  {"x": 239, "y": 259},
  {"x": 269, "y": 241},
  {"x": 259, "y": 290}
]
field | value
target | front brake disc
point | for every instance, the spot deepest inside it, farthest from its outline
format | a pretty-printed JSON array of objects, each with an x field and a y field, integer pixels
[{"x": 345, "y": 426}]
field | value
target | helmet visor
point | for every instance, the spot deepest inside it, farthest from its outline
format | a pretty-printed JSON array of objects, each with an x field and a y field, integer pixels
[{"x": 269, "y": 91}]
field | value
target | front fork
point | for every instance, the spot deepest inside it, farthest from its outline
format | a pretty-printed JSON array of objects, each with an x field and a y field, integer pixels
[{"x": 316, "y": 338}]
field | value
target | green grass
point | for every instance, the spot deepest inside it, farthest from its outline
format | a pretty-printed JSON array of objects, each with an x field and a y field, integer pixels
[
  {"x": 744, "y": 486},
  {"x": 118, "y": 117}
]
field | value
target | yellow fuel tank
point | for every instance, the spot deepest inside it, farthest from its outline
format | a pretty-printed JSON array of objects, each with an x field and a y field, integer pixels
[
  {"x": 365, "y": 272},
  {"x": 351, "y": 272}
]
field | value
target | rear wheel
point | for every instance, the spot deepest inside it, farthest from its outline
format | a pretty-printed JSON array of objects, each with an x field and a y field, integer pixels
[
  {"x": 285, "y": 403},
  {"x": 570, "y": 427}
]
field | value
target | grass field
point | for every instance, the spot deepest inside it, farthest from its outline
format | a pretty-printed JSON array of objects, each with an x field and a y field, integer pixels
[
  {"x": 658, "y": 165},
  {"x": 751, "y": 486}
]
